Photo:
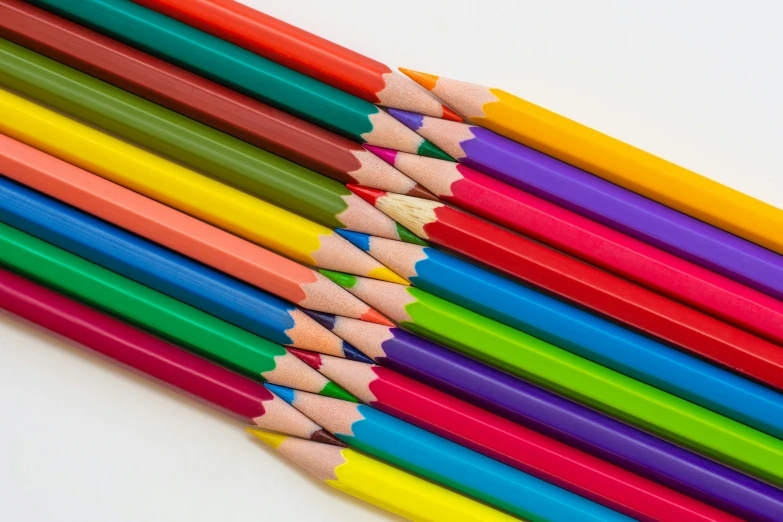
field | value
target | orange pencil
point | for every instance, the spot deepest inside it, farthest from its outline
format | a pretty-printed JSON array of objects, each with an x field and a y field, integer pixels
[{"x": 180, "y": 232}]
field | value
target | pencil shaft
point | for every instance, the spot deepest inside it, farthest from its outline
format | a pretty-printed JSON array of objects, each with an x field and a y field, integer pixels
[
  {"x": 580, "y": 427},
  {"x": 609, "y": 204},
  {"x": 203, "y": 100},
  {"x": 133, "y": 348}
]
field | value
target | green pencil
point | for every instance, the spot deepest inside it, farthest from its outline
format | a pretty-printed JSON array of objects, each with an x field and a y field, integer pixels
[
  {"x": 191, "y": 143},
  {"x": 157, "y": 313},
  {"x": 243, "y": 71},
  {"x": 567, "y": 374}
]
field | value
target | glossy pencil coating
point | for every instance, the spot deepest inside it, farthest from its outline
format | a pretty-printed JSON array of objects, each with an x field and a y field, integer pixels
[
  {"x": 602, "y": 293},
  {"x": 157, "y": 313},
  {"x": 179, "y": 232},
  {"x": 510, "y": 443},
  {"x": 561, "y": 419},
  {"x": 183, "y": 189},
  {"x": 193, "y": 144},
  {"x": 611, "y": 159},
  {"x": 199, "y": 98},
  {"x": 207, "y": 382},
  {"x": 380, "y": 484},
  {"x": 305, "y": 52},
  {"x": 161, "y": 269},
  {"x": 581, "y": 332},
  {"x": 445, "y": 462},
  {"x": 243, "y": 71},
  {"x": 575, "y": 377},
  {"x": 594, "y": 243},
  {"x": 605, "y": 202}
]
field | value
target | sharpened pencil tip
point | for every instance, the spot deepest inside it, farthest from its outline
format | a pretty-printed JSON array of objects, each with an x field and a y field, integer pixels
[
  {"x": 387, "y": 155},
  {"x": 325, "y": 437},
  {"x": 370, "y": 195},
  {"x": 270, "y": 438},
  {"x": 450, "y": 115},
  {"x": 410, "y": 119},
  {"x": 353, "y": 354},
  {"x": 357, "y": 239},
  {"x": 428, "y": 81},
  {"x": 406, "y": 236},
  {"x": 387, "y": 274},
  {"x": 287, "y": 394},
  {"x": 431, "y": 151},
  {"x": 374, "y": 316},
  {"x": 344, "y": 280},
  {"x": 312, "y": 359}
]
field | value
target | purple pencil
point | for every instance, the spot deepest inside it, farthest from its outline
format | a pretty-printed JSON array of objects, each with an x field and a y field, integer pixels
[
  {"x": 560, "y": 418},
  {"x": 602, "y": 201}
]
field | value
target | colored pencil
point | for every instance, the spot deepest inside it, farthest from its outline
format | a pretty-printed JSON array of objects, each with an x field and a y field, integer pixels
[
  {"x": 243, "y": 71},
  {"x": 188, "y": 142},
  {"x": 157, "y": 313},
  {"x": 560, "y": 419},
  {"x": 380, "y": 484},
  {"x": 203, "y": 100},
  {"x": 605, "y": 202},
  {"x": 590, "y": 336},
  {"x": 578, "y": 282},
  {"x": 510, "y": 443},
  {"x": 207, "y": 382},
  {"x": 594, "y": 243},
  {"x": 305, "y": 52},
  {"x": 580, "y": 379},
  {"x": 241, "y": 259},
  {"x": 444, "y": 462},
  {"x": 168, "y": 272},
  {"x": 183, "y": 189},
  {"x": 611, "y": 159}
]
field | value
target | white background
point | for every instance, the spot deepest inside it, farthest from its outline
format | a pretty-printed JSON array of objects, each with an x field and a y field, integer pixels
[{"x": 697, "y": 82}]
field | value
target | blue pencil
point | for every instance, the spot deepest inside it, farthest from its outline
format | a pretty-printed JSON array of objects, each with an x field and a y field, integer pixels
[
  {"x": 560, "y": 418},
  {"x": 578, "y": 331},
  {"x": 445, "y": 462},
  {"x": 168, "y": 272}
]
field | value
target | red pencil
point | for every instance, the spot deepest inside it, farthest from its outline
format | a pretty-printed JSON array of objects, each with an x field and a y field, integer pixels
[
  {"x": 304, "y": 52},
  {"x": 511, "y": 443},
  {"x": 232, "y": 393},
  {"x": 593, "y": 242},
  {"x": 583, "y": 284}
]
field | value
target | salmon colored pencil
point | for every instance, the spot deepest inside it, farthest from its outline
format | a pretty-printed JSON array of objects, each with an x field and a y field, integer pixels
[
  {"x": 238, "y": 396},
  {"x": 594, "y": 243},
  {"x": 189, "y": 236},
  {"x": 611, "y": 159},
  {"x": 199, "y": 98},
  {"x": 304, "y": 52},
  {"x": 171, "y": 184},
  {"x": 510, "y": 443},
  {"x": 587, "y": 286}
]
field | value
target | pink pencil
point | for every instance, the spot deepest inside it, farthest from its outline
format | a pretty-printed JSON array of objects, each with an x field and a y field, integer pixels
[
  {"x": 180, "y": 232},
  {"x": 595, "y": 243}
]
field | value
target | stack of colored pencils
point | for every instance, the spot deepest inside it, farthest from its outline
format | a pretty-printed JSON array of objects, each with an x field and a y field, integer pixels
[{"x": 462, "y": 307}]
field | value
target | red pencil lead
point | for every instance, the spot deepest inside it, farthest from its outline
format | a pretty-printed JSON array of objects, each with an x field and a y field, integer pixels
[
  {"x": 448, "y": 114},
  {"x": 312, "y": 359},
  {"x": 370, "y": 195}
]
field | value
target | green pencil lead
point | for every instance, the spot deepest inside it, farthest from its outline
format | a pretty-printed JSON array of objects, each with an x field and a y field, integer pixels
[
  {"x": 409, "y": 237},
  {"x": 431, "y": 151},
  {"x": 344, "y": 280}
]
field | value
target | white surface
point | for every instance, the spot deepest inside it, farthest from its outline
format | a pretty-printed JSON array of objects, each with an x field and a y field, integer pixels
[{"x": 696, "y": 82}]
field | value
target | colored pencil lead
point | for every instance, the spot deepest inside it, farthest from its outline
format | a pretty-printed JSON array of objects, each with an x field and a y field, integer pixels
[
  {"x": 380, "y": 484},
  {"x": 158, "y": 360},
  {"x": 507, "y": 442},
  {"x": 594, "y": 243},
  {"x": 244, "y": 71},
  {"x": 605, "y": 202},
  {"x": 611, "y": 159},
  {"x": 178, "y": 187},
  {"x": 583, "y": 380},
  {"x": 304, "y": 52},
  {"x": 586, "y": 286},
  {"x": 189, "y": 142},
  {"x": 445, "y": 462}
]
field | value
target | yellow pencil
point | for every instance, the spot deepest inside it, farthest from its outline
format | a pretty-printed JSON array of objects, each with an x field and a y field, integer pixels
[
  {"x": 380, "y": 484},
  {"x": 611, "y": 159},
  {"x": 183, "y": 189}
]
